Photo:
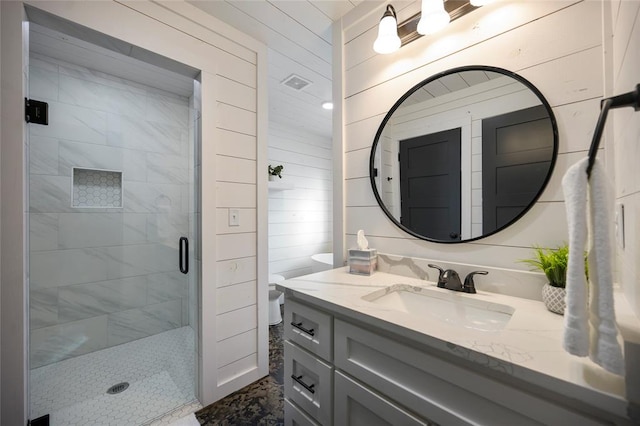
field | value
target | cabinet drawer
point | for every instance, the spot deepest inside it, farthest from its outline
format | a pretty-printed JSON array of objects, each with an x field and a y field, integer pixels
[
  {"x": 293, "y": 416},
  {"x": 356, "y": 405},
  {"x": 440, "y": 390},
  {"x": 308, "y": 382},
  {"x": 309, "y": 328}
]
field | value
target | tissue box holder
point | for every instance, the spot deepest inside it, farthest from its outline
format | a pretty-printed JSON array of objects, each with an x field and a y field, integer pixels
[{"x": 363, "y": 262}]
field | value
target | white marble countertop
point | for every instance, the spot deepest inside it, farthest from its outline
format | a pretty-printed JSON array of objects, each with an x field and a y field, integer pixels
[{"x": 528, "y": 348}]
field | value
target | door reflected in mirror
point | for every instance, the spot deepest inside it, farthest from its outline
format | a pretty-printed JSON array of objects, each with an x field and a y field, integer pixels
[{"x": 463, "y": 154}]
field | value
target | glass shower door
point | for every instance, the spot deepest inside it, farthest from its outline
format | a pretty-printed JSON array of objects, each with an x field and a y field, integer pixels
[{"x": 112, "y": 200}]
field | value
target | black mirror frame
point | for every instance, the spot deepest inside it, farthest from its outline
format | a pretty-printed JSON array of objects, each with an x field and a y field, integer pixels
[{"x": 395, "y": 106}]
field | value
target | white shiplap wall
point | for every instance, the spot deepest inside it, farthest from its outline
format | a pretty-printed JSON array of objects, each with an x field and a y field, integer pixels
[
  {"x": 626, "y": 141},
  {"x": 236, "y": 247},
  {"x": 300, "y": 223},
  {"x": 298, "y": 34},
  {"x": 554, "y": 44}
]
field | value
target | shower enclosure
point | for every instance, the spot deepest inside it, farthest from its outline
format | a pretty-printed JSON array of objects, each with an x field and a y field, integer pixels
[{"x": 113, "y": 236}]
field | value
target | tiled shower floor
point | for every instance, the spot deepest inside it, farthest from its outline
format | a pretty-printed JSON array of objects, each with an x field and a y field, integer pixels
[{"x": 159, "y": 369}]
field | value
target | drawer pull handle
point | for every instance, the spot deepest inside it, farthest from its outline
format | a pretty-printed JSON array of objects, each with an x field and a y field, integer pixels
[
  {"x": 298, "y": 380},
  {"x": 299, "y": 326}
]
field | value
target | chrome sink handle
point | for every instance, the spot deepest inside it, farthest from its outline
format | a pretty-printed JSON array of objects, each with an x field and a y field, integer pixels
[{"x": 469, "y": 286}]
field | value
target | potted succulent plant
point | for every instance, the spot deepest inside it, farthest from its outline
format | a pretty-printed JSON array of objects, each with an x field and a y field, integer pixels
[
  {"x": 553, "y": 263},
  {"x": 275, "y": 171}
]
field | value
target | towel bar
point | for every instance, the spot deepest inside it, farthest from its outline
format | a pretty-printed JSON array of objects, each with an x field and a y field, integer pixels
[{"x": 630, "y": 99}]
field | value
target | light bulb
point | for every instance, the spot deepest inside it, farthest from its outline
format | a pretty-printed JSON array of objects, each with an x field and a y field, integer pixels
[
  {"x": 479, "y": 3},
  {"x": 433, "y": 17},
  {"x": 388, "y": 40}
]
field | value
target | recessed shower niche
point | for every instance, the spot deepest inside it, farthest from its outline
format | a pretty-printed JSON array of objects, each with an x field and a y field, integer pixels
[{"x": 94, "y": 188}]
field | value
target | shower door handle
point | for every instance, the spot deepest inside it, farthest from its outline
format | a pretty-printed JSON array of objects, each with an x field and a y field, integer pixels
[{"x": 184, "y": 255}]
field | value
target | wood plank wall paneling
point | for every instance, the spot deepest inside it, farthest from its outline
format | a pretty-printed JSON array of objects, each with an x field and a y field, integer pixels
[
  {"x": 300, "y": 219},
  {"x": 235, "y": 195},
  {"x": 237, "y": 94},
  {"x": 235, "y": 271},
  {"x": 236, "y": 322},
  {"x": 237, "y": 368},
  {"x": 181, "y": 14},
  {"x": 625, "y": 60},
  {"x": 237, "y": 347},
  {"x": 236, "y": 296},
  {"x": 556, "y": 45},
  {"x": 236, "y": 119},
  {"x": 233, "y": 169},
  {"x": 238, "y": 70},
  {"x": 233, "y": 144},
  {"x": 234, "y": 246}
]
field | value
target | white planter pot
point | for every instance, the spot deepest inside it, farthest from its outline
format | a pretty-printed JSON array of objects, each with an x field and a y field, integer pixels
[{"x": 553, "y": 298}]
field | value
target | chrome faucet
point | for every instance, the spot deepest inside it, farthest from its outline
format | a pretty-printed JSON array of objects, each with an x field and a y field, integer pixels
[{"x": 450, "y": 280}]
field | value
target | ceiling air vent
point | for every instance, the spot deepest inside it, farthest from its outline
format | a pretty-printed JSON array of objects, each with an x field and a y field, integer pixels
[{"x": 296, "y": 82}]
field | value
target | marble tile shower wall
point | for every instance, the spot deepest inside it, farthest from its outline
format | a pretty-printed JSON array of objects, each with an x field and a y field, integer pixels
[{"x": 102, "y": 277}]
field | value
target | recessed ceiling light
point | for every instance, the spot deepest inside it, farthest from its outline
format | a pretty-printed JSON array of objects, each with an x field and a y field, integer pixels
[{"x": 327, "y": 105}]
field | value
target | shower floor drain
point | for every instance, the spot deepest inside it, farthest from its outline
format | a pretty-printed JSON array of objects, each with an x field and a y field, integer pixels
[{"x": 120, "y": 387}]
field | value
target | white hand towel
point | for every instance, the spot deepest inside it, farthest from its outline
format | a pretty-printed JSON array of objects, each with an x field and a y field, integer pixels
[
  {"x": 576, "y": 331},
  {"x": 598, "y": 339},
  {"x": 604, "y": 349}
]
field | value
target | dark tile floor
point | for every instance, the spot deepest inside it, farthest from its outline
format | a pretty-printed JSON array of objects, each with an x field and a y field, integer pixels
[{"x": 260, "y": 403}]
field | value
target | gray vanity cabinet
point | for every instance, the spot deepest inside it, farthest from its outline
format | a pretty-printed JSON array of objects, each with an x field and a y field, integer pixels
[
  {"x": 350, "y": 373},
  {"x": 357, "y": 405},
  {"x": 309, "y": 383},
  {"x": 308, "y": 368}
]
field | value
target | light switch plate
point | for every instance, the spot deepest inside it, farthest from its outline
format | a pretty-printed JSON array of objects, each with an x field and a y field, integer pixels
[
  {"x": 234, "y": 217},
  {"x": 619, "y": 224}
]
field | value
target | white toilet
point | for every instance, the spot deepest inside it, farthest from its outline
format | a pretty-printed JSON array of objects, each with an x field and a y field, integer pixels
[{"x": 274, "y": 299}]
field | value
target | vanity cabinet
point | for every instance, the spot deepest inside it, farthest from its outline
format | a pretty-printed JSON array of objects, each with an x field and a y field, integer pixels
[
  {"x": 308, "y": 382},
  {"x": 308, "y": 369},
  {"x": 295, "y": 416},
  {"x": 363, "y": 376},
  {"x": 309, "y": 328},
  {"x": 438, "y": 389},
  {"x": 357, "y": 405}
]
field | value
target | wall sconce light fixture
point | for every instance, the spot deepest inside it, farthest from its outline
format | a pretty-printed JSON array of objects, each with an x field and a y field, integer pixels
[
  {"x": 434, "y": 16},
  {"x": 388, "y": 40}
]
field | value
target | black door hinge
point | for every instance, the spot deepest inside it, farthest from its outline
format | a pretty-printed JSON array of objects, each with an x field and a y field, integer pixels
[
  {"x": 40, "y": 421},
  {"x": 36, "y": 112}
]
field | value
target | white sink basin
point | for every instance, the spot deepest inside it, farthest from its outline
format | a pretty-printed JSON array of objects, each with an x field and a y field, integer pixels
[{"x": 443, "y": 305}]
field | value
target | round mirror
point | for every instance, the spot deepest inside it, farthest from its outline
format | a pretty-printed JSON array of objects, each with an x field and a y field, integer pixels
[{"x": 463, "y": 154}]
